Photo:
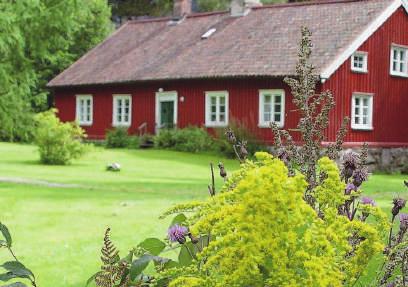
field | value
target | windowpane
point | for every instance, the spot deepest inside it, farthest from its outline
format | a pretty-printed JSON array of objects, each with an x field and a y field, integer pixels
[
  {"x": 277, "y": 118},
  {"x": 357, "y": 120},
  {"x": 267, "y": 117},
  {"x": 277, "y": 108},
  {"x": 222, "y": 117},
  {"x": 217, "y": 106},
  {"x": 267, "y": 99}
]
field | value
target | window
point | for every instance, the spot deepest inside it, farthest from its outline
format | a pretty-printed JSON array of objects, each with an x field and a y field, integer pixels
[
  {"x": 399, "y": 61},
  {"x": 362, "y": 112},
  {"x": 122, "y": 110},
  {"x": 84, "y": 109},
  {"x": 271, "y": 107},
  {"x": 359, "y": 62},
  {"x": 216, "y": 109}
]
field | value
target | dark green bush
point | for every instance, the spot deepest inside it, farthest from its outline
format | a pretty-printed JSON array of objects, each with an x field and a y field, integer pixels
[
  {"x": 242, "y": 132},
  {"x": 134, "y": 142},
  {"x": 190, "y": 139},
  {"x": 117, "y": 138}
]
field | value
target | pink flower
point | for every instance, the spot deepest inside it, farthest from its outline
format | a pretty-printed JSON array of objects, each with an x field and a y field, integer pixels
[{"x": 177, "y": 233}]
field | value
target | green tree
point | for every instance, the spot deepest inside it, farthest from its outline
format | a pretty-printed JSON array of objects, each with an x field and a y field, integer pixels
[{"x": 38, "y": 39}]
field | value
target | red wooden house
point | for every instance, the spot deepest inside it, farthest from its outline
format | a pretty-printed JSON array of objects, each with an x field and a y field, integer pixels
[{"x": 207, "y": 69}]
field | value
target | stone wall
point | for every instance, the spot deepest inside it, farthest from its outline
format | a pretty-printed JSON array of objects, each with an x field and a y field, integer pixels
[{"x": 393, "y": 160}]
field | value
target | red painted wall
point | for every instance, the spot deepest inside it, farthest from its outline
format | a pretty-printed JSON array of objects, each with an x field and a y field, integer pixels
[
  {"x": 390, "y": 104},
  {"x": 243, "y": 103},
  {"x": 390, "y": 101}
]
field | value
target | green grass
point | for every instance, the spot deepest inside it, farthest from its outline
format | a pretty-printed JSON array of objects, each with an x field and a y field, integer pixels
[{"x": 58, "y": 232}]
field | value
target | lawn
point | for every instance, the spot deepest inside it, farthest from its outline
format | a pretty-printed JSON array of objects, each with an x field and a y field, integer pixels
[{"x": 58, "y": 230}]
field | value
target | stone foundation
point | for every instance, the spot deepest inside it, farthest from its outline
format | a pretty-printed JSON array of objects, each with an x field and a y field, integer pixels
[{"x": 390, "y": 160}]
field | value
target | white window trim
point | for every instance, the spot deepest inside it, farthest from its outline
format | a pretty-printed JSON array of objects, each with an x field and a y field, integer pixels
[
  {"x": 114, "y": 112},
  {"x": 369, "y": 126},
  {"x": 399, "y": 47},
  {"x": 364, "y": 69},
  {"x": 164, "y": 97},
  {"x": 77, "y": 116},
  {"x": 261, "y": 122},
  {"x": 208, "y": 122}
]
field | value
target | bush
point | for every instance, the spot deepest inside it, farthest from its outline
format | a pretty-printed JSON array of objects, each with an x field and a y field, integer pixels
[
  {"x": 242, "y": 132},
  {"x": 190, "y": 139},
  {"x": 134, "y": 142},
  {"x": 58, "y": 142},
  {"x": 117, "y": 138}
]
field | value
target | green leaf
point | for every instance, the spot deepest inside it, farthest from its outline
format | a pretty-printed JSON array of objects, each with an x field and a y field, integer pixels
[
  {"x": 7, "y": 276},
  {"x": 18, "y": 269},
  {"x": 6, "y": 234},
  {"x": 153, "y": 245},
  {"x": 15, "y": 284},
  {"x": 128, "y": 258},
  {"x": 92, "y": 278},
  {"x": 139, "y": 265},
  {"x": 178, "y": 219},
  {"x": 185, "y": 255}
]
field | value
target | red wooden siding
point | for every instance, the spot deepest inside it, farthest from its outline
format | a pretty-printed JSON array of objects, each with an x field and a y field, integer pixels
[
  {"x": 243, "y": 103},
  {"x": 390, "y": 100}
]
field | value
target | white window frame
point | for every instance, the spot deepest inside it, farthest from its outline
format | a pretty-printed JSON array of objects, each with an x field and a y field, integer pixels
[
  {"x": 273, "y": 93},
  {"x": 363, "y": 69},
  {"x": 369, "y": 125},
  {"x": 164, "y": 97},
  {"x": 80, "y": 98},
  {"x": 218, "y": 94},
  {"x": 115, "y": 123},
  {"x": 399, "y": 48}
]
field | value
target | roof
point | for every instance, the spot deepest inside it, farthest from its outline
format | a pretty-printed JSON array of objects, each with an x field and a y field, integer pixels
[{"x": 262, "y": 43}]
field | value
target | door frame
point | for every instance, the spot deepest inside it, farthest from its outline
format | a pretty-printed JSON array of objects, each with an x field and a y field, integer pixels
[{"x": 166, "y": 97}]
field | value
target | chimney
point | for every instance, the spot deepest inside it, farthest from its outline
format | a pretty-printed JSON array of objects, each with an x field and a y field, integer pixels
[
  {"x": 182, "y": 8},
  {"x": 243, "y": 7}
]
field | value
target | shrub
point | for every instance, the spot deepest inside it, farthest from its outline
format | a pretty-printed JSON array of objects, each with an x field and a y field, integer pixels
[
  {"x": 242, "y": 132},
  {"x": 134, "y": 142},
  {"x": 117, "y": 138},
  {"x": 58, "y": 142},
  {"x": 190, "y": 139}
]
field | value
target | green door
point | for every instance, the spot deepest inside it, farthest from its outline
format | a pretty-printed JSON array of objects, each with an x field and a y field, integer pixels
[{"x": 167, "y": 114}]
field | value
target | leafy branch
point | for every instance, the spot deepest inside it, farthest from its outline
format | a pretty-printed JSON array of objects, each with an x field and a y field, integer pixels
[{"x": 14, "y": 269}]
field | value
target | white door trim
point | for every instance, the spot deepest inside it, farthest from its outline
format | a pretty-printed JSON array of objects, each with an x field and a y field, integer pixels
[{"x": 165, "y": 97}]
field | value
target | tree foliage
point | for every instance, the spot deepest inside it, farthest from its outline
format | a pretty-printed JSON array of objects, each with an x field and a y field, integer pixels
[{"x": 38, "y": 39}]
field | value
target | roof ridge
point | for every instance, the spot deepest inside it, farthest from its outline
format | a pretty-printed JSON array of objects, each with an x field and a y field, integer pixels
[
  {"x": 169, "y": 18},
  {"x": 306, "y": 3}
]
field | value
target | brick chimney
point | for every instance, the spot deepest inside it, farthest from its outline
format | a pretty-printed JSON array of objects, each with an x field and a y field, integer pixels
[
  {"x": 182, "y": 8},
  {"x": 242, "y": 7}
]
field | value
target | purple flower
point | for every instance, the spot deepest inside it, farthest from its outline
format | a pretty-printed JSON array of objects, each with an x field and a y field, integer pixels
[
  {"x": 177, "y": 233},
  {"x": 404, "y": 222},
  {"x": 368, "y": 201},
  {"x": 392, "y": 284},
  {"x": 399, "y": 203},
  {"x": 350, "y": 161},
  {"x": 359, "y": 176},
  {"x": 283, "y": 155},
  {"x": 349, "y": 188}
]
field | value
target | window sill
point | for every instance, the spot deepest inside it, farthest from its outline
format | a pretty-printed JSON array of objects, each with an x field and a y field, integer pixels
[
  {"x": 85, "y": 124},
  {"x": 360, "y": 71},
  {"x": 116, "y": 125},
  {"x": 213, "y": 125},
  {"x": 268, "y": 126},
  {"x": 399, "y": 75},
  {"x": 357, "y": 128}
]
